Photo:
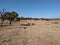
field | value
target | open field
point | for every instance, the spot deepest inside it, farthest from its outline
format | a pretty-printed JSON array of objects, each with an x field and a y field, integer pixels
[{"x": 39, "y": 32}]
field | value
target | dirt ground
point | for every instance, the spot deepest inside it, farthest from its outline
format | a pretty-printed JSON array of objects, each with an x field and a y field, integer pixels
[{"x": 31, "y": 32}]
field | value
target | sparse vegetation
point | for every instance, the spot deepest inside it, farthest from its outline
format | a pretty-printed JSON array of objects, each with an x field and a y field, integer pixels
[
  {"x": 39, "y": 34},
  {"x": 33, "y": 24}
]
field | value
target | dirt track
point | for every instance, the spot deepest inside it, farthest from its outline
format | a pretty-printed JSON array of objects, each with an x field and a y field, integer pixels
[{"x": 42, "y": 33}]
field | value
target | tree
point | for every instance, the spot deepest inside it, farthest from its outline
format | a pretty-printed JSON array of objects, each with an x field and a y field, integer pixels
[
  {"x": 8, "y": 16},
  {"x": 1, "y": 15}
]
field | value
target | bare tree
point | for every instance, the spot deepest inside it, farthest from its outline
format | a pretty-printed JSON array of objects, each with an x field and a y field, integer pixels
[{"x": 1, "y": 15}]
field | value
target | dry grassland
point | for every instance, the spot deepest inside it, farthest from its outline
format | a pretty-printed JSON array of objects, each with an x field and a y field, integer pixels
[{"x": 39, "y": 32}]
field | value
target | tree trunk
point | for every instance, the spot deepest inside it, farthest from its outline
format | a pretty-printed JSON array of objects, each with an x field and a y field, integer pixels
[{"x": 10, "y": 23}]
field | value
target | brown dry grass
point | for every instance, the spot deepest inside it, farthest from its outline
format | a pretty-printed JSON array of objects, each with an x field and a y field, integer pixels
[{"x": 42, "y": 33}]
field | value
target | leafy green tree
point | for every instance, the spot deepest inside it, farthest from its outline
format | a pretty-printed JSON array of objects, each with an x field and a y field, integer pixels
[
  {"x": 10, "y": 16},
  {"x": 4, "y": 15}
]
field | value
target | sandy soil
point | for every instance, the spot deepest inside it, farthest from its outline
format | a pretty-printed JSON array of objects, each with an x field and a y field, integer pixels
[{"x": 40, "y": 33}]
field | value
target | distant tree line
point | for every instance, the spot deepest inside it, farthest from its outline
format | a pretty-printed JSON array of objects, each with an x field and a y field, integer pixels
[{"x": 28, "y": 18}]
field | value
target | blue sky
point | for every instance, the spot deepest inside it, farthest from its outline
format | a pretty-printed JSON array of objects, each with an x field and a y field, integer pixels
[{"x": 33, "y": 8}]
